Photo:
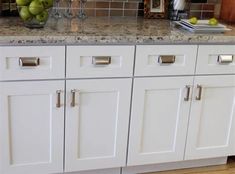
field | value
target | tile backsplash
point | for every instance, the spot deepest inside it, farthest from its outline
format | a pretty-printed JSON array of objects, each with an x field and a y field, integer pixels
[
  {"x": 205, "y": 10},
  {"x": 136, "y": 8},
  {"x": 108, "y": 7}
]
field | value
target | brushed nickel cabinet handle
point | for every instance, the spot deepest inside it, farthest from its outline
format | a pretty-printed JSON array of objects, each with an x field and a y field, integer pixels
[
  {"x": 101, "y": 60},
  {"x": 58, "y": 103},
  {"x": 166, "y": 59},
  {"x": 199, "y": 96},
  {"x": 188, "y": 93},
  {"x": 73, "y": 92},
  {"x": 225, "y": 59},
  {"x": 73, "y": 102},
  {"x": 29, "y": 61}
]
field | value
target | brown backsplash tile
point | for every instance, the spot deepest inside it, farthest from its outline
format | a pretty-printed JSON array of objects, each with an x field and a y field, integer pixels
[
  {"x": 102, "y": 13},
  {"x": 102, "y": 5},
  {"x": 207, "y": 15},
  {"x": 131, "y": 5},
  {"x": 116, "y": 12},
  {"x": 195, "y": 14},
  {"x": 209, "y": 7},
  {"x": 130, "y": 13},
  {"x": 90, "y": 4},
  {"x": 116, "y": 5},
  {"x": 196, "y": 7},
  {"x": 90, "y": 12}
]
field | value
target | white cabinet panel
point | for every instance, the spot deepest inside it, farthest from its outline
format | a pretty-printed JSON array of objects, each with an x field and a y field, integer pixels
[
  {"x": 97, "y": 126},
  {"x": 51, "y": 61},
  {"x": 148, "y": 60},
  {"x": 159, "y": 120},
  {"x": 208, "y": 62},
  {"x": 212, "y": 120},
  {"x": 80, "y": 62},
  {"x": 31, "y": 128}
]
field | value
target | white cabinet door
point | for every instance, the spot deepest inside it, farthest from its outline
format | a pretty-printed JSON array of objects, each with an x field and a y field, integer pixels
[
  {"x": 97, "y": 126},
  {"x": 31, "y": 128},
  {"x": 212, "y": 120},
  {"x": 159, "y": 120}
]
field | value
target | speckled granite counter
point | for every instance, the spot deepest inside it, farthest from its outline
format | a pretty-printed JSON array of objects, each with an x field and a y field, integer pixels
[{"x": 104, "y": 31}]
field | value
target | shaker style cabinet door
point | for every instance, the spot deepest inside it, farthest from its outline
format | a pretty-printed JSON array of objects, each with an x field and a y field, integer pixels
[
  {"x": 216, "y": 59},
  {"x": 32, "y": 62},
  {"x": 159, "y": 118},
  {"x": 212, "y": 120},
  {"x": 97, "y": 116},
  {"x": 31, "y": 127},
  {"x": 158, "y": 60},
  {"x": 100, "y": 61}
]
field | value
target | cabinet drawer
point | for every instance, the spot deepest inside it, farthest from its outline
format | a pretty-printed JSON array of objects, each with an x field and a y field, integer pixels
[
  {"x": 99, "y": 61},
  {"x": 32, "y": 62},
  {"x": 165, "y": 60},
  {"x": 216, "y": 59}
]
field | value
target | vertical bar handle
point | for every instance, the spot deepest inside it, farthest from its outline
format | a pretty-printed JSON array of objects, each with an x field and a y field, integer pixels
[
  {"x": 58, "y": 103},
  {"x": 199, "y": 96},
  {"x": 73, "y": 102},
  {"x": 188, "y": 93}
]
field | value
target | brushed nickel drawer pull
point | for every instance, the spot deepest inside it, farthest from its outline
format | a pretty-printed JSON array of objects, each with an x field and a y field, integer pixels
[
  {"x": 58, "y": 103},
  {"x": 188, "y": 93},
  {"x": 199, "y": 96},
  {"x": 166, "y": 59},
  {"x": 101, "y": 60},
  {"x": 29, "y": 61},
  {"x": 73, "y": 92},
  {"x": 225, "y": 59}
]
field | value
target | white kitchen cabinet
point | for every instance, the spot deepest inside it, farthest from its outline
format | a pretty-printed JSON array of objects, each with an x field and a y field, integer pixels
[
  {"x": 212, "y": 118},
  {"x": 100, "y": 61},
  {"x": 32, "y": 62},
  {"x": 216, "y": 59},
  {"x": 158, "y": 60},
  {"x": 31, "y": 127},
  {"x": 97, "y": 117},
  {"x": 159, "y": 118}
]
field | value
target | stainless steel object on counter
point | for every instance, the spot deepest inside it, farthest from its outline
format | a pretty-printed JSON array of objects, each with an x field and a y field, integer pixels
[
  {"x": 56, "y": 13},
  {"x": 68, "y": 12},
  {"x": 81, "y": 13}
]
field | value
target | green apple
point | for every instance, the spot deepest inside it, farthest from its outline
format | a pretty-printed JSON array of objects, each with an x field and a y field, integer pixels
[
  {"x": 193, "y": 20},
  {"x": 213, "y": 21},
  {"x": 47, "y": 3},
  {"x": 42, "y": 17},
  {"x": 23, "y": 2},
  {"x": 25, "y": 14},
  {"x": 36, "y": 7}
]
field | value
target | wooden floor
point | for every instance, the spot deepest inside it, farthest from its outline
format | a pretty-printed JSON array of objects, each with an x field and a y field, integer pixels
[{"x": 222, "y": 169}]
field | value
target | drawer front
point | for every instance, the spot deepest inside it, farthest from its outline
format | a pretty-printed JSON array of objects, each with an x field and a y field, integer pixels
[
  {"x": 32, "y": 62},
  {"x": 216, "y": 59},
  {"x": 100, "y": 61},
  {"x": 165, "y": 60}
]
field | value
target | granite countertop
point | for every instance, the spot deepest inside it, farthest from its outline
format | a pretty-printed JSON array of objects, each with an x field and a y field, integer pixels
[{"x": 105, "y": 31}]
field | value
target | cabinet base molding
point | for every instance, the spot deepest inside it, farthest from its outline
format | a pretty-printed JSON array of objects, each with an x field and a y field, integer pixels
[
  {"x": 100, "y": 171},
  {"x": 174, "y": 165}
]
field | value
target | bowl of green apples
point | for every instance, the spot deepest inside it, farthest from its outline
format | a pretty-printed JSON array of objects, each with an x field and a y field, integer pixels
[{"x": 34, "y": 13}]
